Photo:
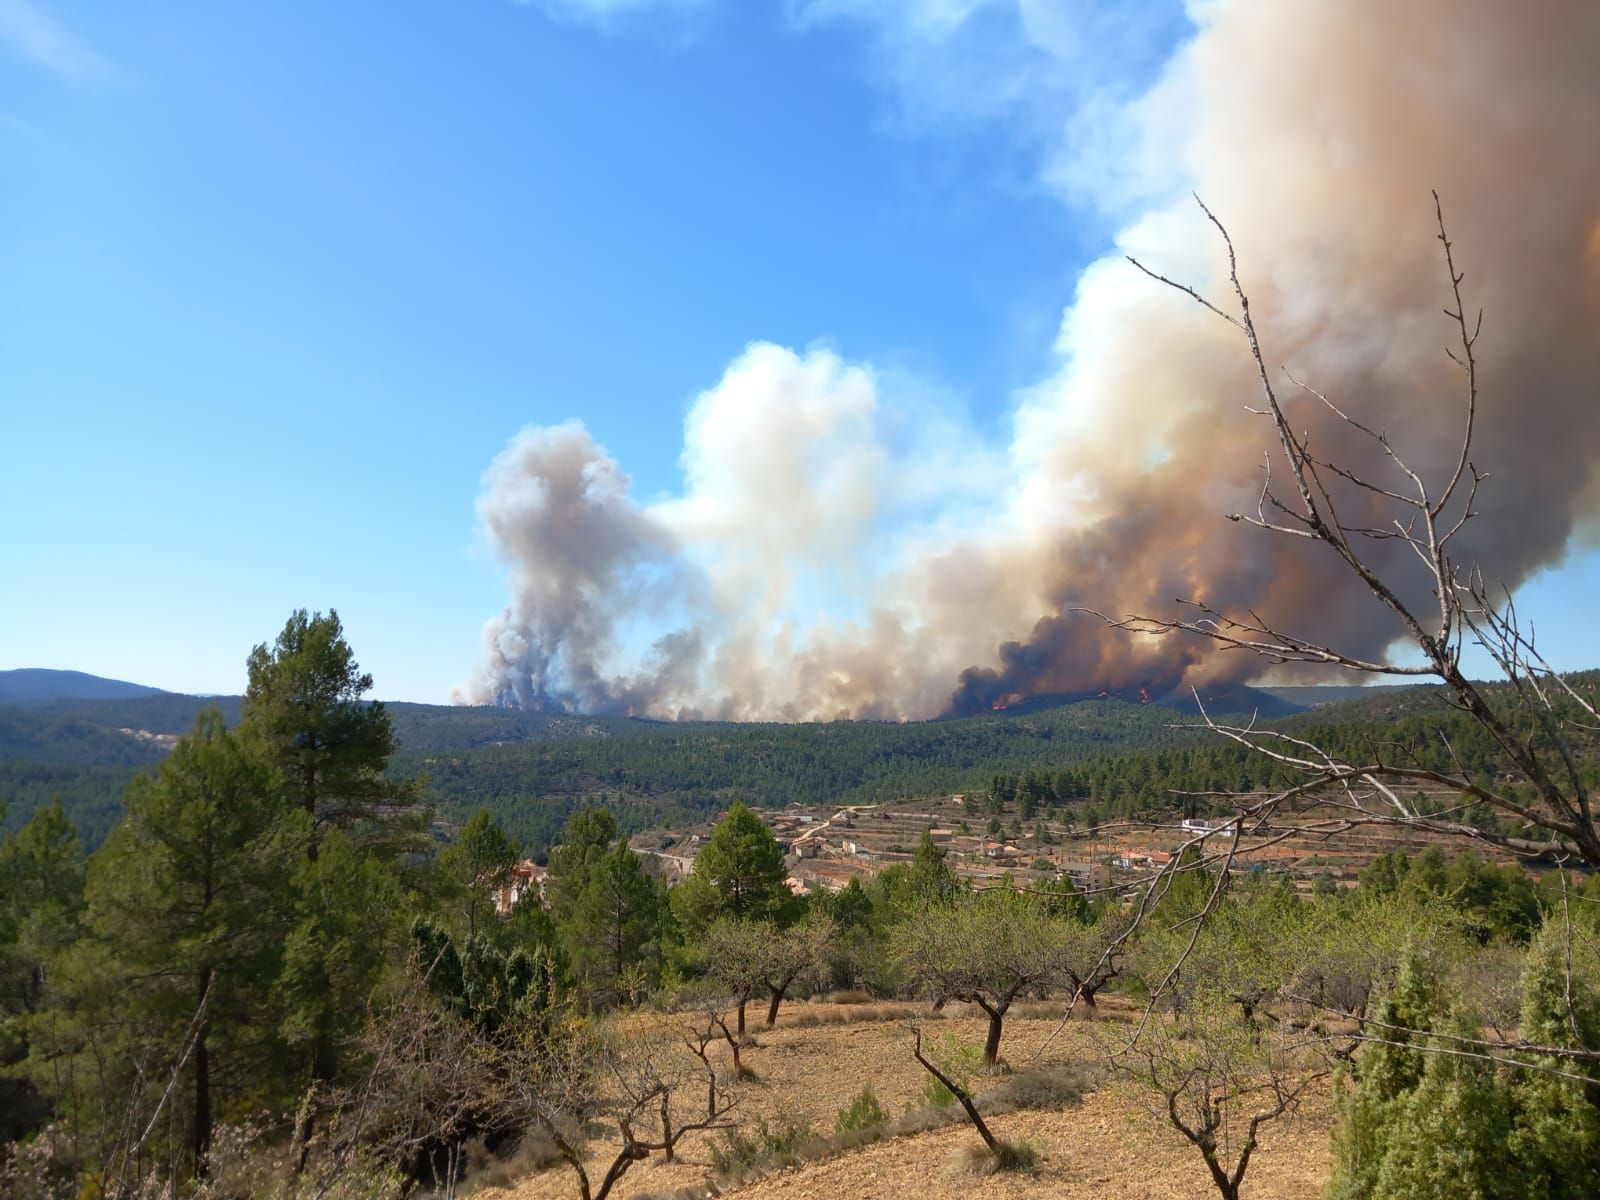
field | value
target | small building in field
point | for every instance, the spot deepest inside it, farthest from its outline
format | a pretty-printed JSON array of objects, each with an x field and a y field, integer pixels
[
  {"x": 1085, "y": 876},
  {"x": 523, "y": 880}
]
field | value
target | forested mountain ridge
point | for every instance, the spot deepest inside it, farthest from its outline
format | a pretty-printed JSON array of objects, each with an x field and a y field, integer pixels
[
  {"x": 38, "y": 685},
  {"x": 698, "y": 768},
  {"x": 533, "y": 768}
]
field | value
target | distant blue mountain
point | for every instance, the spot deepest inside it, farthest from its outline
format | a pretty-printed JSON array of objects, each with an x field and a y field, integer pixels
[{"x": 36, "y": 685}]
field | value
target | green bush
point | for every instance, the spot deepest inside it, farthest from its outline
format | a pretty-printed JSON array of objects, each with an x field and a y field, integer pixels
[
  {"x": 1425, "y": 1122},
  {"x": 936, "y": 1095},
  {"x": 864, "y": 1112},
  {"x": 740, "y": 1153}
]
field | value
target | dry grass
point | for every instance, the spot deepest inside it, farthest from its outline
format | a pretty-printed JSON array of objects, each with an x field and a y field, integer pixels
[{"x": 1088, "y": 1141}]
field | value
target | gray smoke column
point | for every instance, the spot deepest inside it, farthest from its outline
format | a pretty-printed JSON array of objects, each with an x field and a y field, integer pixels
[
  {"x": 824, "y": 561},
  {"x": 557, "y": 507}
]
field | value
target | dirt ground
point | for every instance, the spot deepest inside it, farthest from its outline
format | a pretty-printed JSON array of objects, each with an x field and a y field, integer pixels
[{"x": 1106, "y": 1146}]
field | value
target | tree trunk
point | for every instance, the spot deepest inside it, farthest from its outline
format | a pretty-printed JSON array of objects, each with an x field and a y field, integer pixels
[
  {"x": 202, "y": 1086},
  {"x": 991, "y": 1045},
  {"x": 1226, "y": 1186},
  {"x": 323, "y": 1067},
  {"x": 961, "y": 1094},
  {"x": 777, "y": 999},
  {"x": 742, "y": 1003},
  {"x": 308, "y": 798}
]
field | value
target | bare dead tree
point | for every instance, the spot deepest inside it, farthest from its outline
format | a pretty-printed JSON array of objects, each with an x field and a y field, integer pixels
[
  {"x": 1218, "y": 1081},
  {"x": 711, "y": 1028},
  {"x": 644, "y": 1074},
  {"x": 1538, "y": 720},
  {"x": 1358, "y": 504},
  {"x": 440, "y": 1080},
  {"x": 714, "y": 1025}
]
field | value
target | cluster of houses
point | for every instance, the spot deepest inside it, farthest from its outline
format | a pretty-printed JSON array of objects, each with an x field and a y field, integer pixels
[{"x": 825, "y": 851}]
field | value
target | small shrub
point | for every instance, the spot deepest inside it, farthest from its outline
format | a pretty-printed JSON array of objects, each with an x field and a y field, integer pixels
[
  {"x": 864, "y": 1112},
  {"x": 1016, "y": 1156},
  {"x": 851, "y": 996},
  {"x": 1052, "y": 1087},
  {"x": 777, "y": 1144},
  {"x": 1011, "y": 1156},
  {"x": 925, "y": 1118},
  {"x": 936, "y": 1095},
  {"x": 1041, "y": 1010},
  {"x": 858, "y": 1014}
]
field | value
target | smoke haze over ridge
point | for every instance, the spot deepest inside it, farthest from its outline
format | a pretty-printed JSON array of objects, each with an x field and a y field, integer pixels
[{"x": 841, "y": 547}]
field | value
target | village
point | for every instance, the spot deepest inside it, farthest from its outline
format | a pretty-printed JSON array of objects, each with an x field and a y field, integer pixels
[{"x": 826, "y": 847}]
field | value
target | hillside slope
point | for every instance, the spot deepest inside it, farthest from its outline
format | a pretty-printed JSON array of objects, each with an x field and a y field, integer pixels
[
  {"x": 39, "y": 685},
  {"x": 1108, "y": 1145},
  {"x": 533, "y": 769}
]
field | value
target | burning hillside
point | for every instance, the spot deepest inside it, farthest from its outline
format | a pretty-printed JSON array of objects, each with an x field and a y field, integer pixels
[{"x": 837, "y": 550}]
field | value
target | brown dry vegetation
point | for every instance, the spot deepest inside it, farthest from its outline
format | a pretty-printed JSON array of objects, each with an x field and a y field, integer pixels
[{"x": 812, "y": 1065}]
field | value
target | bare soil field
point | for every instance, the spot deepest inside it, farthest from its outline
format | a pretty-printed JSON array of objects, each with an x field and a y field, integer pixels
[{"x": 811, "y": 1066}]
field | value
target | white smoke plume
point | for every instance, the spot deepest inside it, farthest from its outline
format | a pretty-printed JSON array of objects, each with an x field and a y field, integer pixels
[{"x": 831, "y": 553}]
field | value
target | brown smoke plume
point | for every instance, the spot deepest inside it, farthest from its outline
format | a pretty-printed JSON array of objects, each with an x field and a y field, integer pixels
[{"x": 1316, "y": 131}]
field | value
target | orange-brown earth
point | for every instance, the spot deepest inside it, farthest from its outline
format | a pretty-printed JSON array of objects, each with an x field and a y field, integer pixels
[{"x": 810, "y": 1067}]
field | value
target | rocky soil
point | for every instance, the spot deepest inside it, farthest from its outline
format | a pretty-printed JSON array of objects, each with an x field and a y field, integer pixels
[{"x": 810, "y": 1067}]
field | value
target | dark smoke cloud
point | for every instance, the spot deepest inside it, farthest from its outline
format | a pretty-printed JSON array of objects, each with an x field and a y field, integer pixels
[{"x": 1316, "y": 131}]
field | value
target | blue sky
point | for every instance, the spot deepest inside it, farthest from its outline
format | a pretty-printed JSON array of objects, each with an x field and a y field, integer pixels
[{"x": 280, "y": 280}]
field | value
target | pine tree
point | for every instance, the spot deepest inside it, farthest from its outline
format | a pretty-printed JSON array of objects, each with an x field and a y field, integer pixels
[
  {"x": 331, "y": 747},
  {"x": 739, "y": 874},
  {"x": 932, "y": 880},
  {"x": 585, "y": 841},
  {"x": 41, "y": 896},
  {"x": 345, "y": 936},
  {"x": 612, "y": 934},
  {"x": 1556, "y": 1126},
  {"x": 473, "y": 865},
  {"x": 188, "y": 909},
  {"x": 41, "y": 901}
]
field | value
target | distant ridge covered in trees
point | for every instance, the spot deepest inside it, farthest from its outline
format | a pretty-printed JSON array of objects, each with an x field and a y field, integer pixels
[{"x": 533, "y": 770}]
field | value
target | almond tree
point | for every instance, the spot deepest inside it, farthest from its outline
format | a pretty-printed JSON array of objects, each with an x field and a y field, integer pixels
[
  {"x": 738, "y": 957},
  {"x": 797, "y": 953},
  {"x": 1218, "y": 1080},
  {"x": 988, "y": 951}
]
